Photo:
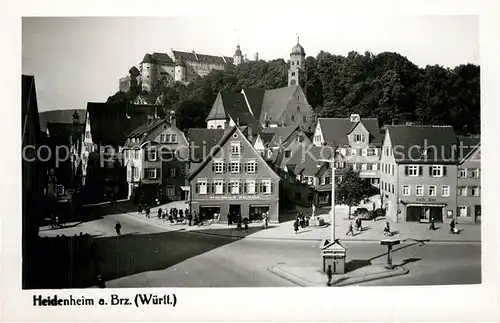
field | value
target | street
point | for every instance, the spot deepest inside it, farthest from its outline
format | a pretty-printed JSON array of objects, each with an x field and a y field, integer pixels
[{"x": 151, "y": 254}]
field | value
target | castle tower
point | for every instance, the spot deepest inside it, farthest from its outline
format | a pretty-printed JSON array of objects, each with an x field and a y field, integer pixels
[
  {"x": 180, "y": 70},
  {"x": 238, "y": 57},
  {"x": 296, "y": 71},
  {"x": 148, "y": 72}
]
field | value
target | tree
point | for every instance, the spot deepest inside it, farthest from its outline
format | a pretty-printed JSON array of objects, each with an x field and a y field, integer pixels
[
  {"x": 352, "y": 190},
  {"x": 192, "y": 114}
]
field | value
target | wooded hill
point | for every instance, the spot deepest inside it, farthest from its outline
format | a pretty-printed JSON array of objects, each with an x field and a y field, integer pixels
[{"x": 387, "y": 86}]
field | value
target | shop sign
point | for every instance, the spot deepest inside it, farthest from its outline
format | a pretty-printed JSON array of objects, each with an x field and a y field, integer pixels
[
  {"x": 235, "y": 197},
  {"x": 423, "y": 199}
]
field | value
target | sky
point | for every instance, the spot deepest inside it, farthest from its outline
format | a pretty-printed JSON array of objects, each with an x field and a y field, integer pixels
[{"x": 80, "y": 60}]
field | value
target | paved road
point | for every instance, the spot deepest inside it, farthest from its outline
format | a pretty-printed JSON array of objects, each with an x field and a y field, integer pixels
[
  {"x": 149, "y": 256},
  {"x": 244, "y": 264}
]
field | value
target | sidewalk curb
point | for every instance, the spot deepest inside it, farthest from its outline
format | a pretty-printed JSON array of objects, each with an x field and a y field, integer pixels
[
  {"x": 169, "y": 228},
  {"x": 398, "y": 271}
]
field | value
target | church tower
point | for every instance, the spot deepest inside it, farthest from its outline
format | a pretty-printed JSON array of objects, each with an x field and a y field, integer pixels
[
  {"x": 238, "y": 57},
  {"x": 297, "y": 68}
]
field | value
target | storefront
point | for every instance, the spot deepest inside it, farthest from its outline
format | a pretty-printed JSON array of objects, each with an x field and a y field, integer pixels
[
  {"x": 236, "y": 205},
  {"x": 423, "y": 213}
]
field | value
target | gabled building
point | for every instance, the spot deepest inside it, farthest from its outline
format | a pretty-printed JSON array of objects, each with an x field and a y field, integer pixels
[
  {"x": 288, "y": 138},
  {"x": 106, "y": 129},
  {"x": 357, "y": 139},
  {"x": 155, "y": 156},
  {"x": 469, "y": 180},
  {"x": 419, "y": 173},
  {"x": 281, "y": 107},
  {"x": 233, "y": 178}
]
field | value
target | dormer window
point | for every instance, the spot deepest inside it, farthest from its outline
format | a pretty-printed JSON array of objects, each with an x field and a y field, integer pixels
[{"x": 359, "y": 138}]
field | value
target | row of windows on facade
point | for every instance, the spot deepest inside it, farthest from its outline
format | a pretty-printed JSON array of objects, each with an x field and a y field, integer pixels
[
  {"x": 293, "y": 62},
  {"x": 152, "y": 155},
  {"x": 150, "y": 173},
  {"x": 234, "y": 186},
  {"x": 357, "y": 138},
  {"x": 325, "y": 180},
  {"x": 165, "y": 138},
  {"x": 234, "y": 166},
  {"x": 406, "y": 190}
]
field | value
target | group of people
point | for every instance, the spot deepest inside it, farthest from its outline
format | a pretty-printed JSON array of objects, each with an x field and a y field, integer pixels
[
  {"x": 301, "y": 221},
  {"x": 358, "y": 225}
]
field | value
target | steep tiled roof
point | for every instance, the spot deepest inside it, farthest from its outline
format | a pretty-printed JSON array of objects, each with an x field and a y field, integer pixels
[
  {"x": 275, "y": 102},
  {"x": 145, "y": 128},
  {"x": 111, "y": 123},
  {"x": 235, "y": 105},
  {"x": 408, "y": 143},
  {"x": 161, "y": 58},
  {"x": 280, "y": 134},
  {"x": 201, "y": 138},
  {"x": 60, "y": 116},
  {"x": 201, "y": 58},
  {"x": 308, "y": 158},
  {"x": 266, "y": 137},
  {"x": 255, "y": 97},
  {"x": 147, "y": 59},
  {"x": 467, "y": 145},
  {"x": 29, "y": 108},
  {"x": 335, "y": 130}
]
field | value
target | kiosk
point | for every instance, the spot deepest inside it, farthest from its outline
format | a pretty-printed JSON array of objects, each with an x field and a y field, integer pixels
[
  {"x": 334, "y": 254},
  {"x": 389, "y": 243}
]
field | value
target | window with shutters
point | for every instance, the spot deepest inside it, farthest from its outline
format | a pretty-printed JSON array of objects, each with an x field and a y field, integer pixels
[
  {"x": 202, "y": 186},
  {"x": 354, "y": 166},
  {"x": 250, "y": 186},
  {"x": 152, "y": 155},
  {"x": 219, "y": 184},
  {"x": 412, "y": 170},
  {"x": 374, "y": 166},
  {"x": 150, "y": 173},
  {"x": 235, "y": 148},
  {"x": 265, "y": 186},
  {"x": 371, "y": 152},
  {"x": 474, "y": 191},
  {"x": 172, "y": 172},
  {"x": 436, "y": 171},
  {"x": 445, "y": 190},
  {"x": 364, "y": 152},
  {"x": 419, "y": 190},
  {"x": 234, "y": 186},
  {"x": 359, "y": 138},
  {"x": 218, "y": 166},
  {"x": 163, "y": 138},
  {"x": 234, "y": 166},
  {"x": 170, "y": 191},
  {"x": 363, "y": 166},
  {"x": 406, "y": 190},
  {"x": 473, "y": 172},
  {"x": 173, "y": 138},
  {"x": 251, "y": 166},
  {"x": 462, "y": 172},
  {"x": 432, "y": 190},
  {"x": 353, "y": 152},
  {"x": 462, "y": 191}
]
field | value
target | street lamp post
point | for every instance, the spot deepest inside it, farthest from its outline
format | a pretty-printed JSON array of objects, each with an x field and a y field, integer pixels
[{"x": 332, "y": 165}]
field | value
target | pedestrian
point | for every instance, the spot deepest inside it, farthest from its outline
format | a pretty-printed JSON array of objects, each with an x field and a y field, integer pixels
[
  {"x": 387, "y": 228},
  {"x": 189, "y": 216},
  {"x": 296, "y": 226},
  {"x": 229, "y": 219},
  {"x": 148, "y": 211},
  {"x": 118, "y": 228},
  {"x": 139, "y": 208},
  {"x": 159, "y": 213},
  {"x": 351, "y": 231},
  {"x": 245, "y": 222},
  {"x": 453, "y": 229},
  {"x": 432, "y": 225},
  {"x": 329, "y": 274},
  {"x": 181, "y": 213}
]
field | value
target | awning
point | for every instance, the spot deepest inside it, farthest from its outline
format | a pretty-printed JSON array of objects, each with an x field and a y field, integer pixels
[{"x": 420, "y": 204}]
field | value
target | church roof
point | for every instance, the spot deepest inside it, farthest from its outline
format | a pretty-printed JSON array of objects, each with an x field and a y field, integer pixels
[
  {"x": 335, "y": 130},
  {"x": 275, "y": 102},
  {"x": 298, "y": 49},
  {"x": 255, "y": 97}
]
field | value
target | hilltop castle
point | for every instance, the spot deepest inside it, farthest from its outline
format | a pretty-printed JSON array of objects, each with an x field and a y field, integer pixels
[{"x": 185, "y": 67}]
